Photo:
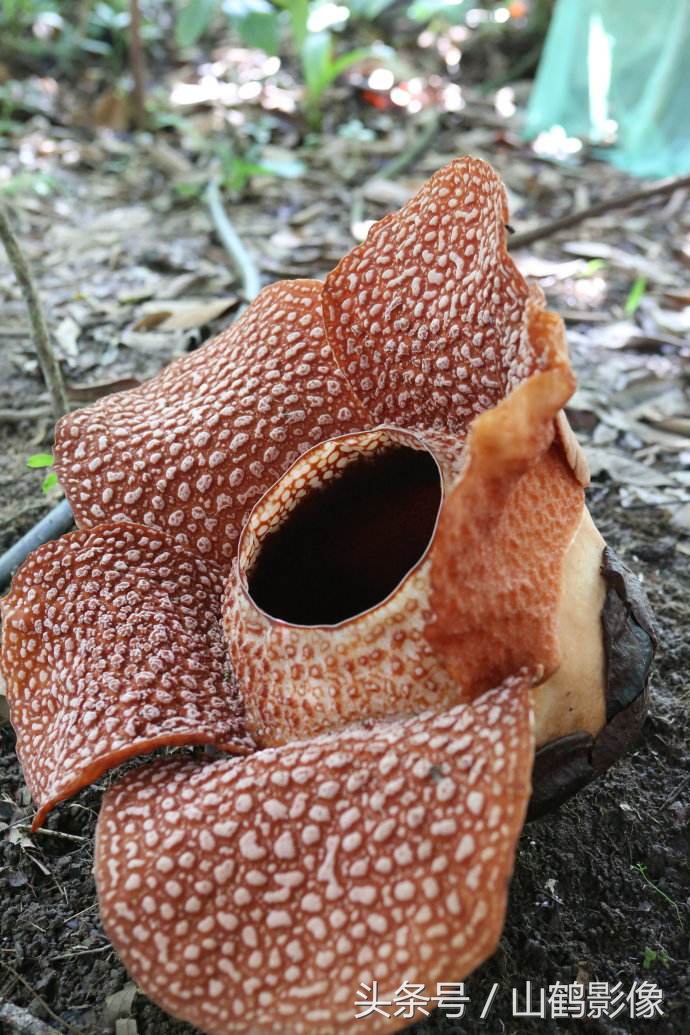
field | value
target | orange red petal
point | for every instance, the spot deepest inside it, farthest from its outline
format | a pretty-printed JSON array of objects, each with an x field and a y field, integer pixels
[
  {"x": 497, "y": 572},
  {"x": 427, "y": 317},
  {"x": 259, "y": 894},
  {"x": 112, "y": 647}
]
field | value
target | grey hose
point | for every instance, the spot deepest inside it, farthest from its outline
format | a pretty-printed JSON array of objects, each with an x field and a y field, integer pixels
[{"x": 56, "y": 522}]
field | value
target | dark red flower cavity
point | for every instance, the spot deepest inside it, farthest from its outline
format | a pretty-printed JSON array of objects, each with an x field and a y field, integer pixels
[
  {"x": 300, "y": 679},
  {"x": 346, "y": 546},
  {"x": 191, "y": 450},
  {"x": 112, "y": 646}
]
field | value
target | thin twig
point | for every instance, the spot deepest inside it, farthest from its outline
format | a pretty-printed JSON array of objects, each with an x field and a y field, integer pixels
[
  {"x": 412, "y": 152},
  {"x": 675, "y": 793},
  {"x": 49, "y": 833},
  {"x": 46, "y": 356},
  {"x": 41, "y": 1000},
  {"x": 87, "y": 909},
  {"x": 241, "y": 259},
  {"x": 137, "y": 64},
  {"x": 8, "y": 416},
  {"x": 654, "y": 190},
  {"x": 642, "y": 870},
  {"x": 397, "y": 165},
  {"x": 82, "y": 952}
]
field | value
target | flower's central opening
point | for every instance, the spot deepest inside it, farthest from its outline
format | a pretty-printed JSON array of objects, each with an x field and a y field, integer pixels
[{"x": 348, "y": 543}]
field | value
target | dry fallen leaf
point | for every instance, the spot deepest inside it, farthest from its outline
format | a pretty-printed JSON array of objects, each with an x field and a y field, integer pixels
[
  {"x": 67, "y": 335},
  {"x": 681, "y": 517},
  {"x": 676, "y": 321},
  {"x": 387, "y": 192},
  {"x": 623, "y": 469},
  {"x": 119, "y": 1005},
  {"x": 172, "y": 315},
  {"x": 126, "y": 1027}
]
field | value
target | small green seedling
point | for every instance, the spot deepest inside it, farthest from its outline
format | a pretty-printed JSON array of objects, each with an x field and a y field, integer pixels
[
  {"x": 653, "y": 957},
  {"x": 642, "y": 870},
  {"x": 635, "y": 295},
  {"x": 40, "y": 460},
  {"x": 592, "y": 267},
  {"x": 320, "y": 67}
]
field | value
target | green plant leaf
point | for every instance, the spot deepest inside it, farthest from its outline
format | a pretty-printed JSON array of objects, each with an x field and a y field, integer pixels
[
  {"x": 345, "y": 61},
  {"x": 40, "y": 183},
  {"x": 184, "y": 189},
  {"x": 635, "y": 295},
  {"x": 40, "y": 460},
  {"x": 299, "y": 16},
  {"x": 368, "y": 9},
  {"x": 316, "y": 62},
  {"x": 193, "y": 20},
  {"x": 49, "y": 481},
  {"x": 260, "y": 29},
  {"x": 593, "y": 266},
  {"x": 451, "y": 11},
  {"x": 320, "y": 68}
]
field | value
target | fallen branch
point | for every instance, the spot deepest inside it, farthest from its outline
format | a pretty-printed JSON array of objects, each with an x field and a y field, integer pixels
[
  {"x": 242, "y": 261},
  {"x": 46, "y": 357},
  {"x": 654, "y": 190},
  {"x": 17, "y": 1021},
  {"x": 10, "y": 416}
]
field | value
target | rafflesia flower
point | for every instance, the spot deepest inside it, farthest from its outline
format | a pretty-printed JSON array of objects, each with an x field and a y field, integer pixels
[{"x": 346, "y": 544}]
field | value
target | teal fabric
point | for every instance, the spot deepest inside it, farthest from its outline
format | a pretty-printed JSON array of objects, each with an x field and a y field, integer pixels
[{"x": 619, "y": 68}]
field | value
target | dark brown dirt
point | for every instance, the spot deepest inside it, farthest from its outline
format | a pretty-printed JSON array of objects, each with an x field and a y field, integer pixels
[{"x": 580, "y": 907}]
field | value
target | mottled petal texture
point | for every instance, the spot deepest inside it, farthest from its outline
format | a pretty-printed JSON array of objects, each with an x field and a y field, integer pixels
[
  {"x": 112, "y": 646},
  {"x": 255, "y": 895},
  {"x": 192, "y": 450},
  {"x": 386, "y": 676},
  {"x": 427, "y": 316}
]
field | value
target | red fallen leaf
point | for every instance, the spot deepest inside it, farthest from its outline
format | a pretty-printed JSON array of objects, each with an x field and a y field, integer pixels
[{"x": 382, "y": 101}]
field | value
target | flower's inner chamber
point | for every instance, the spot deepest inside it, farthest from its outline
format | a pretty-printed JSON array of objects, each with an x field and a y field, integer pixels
[{"x": 346, "y": 546}]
